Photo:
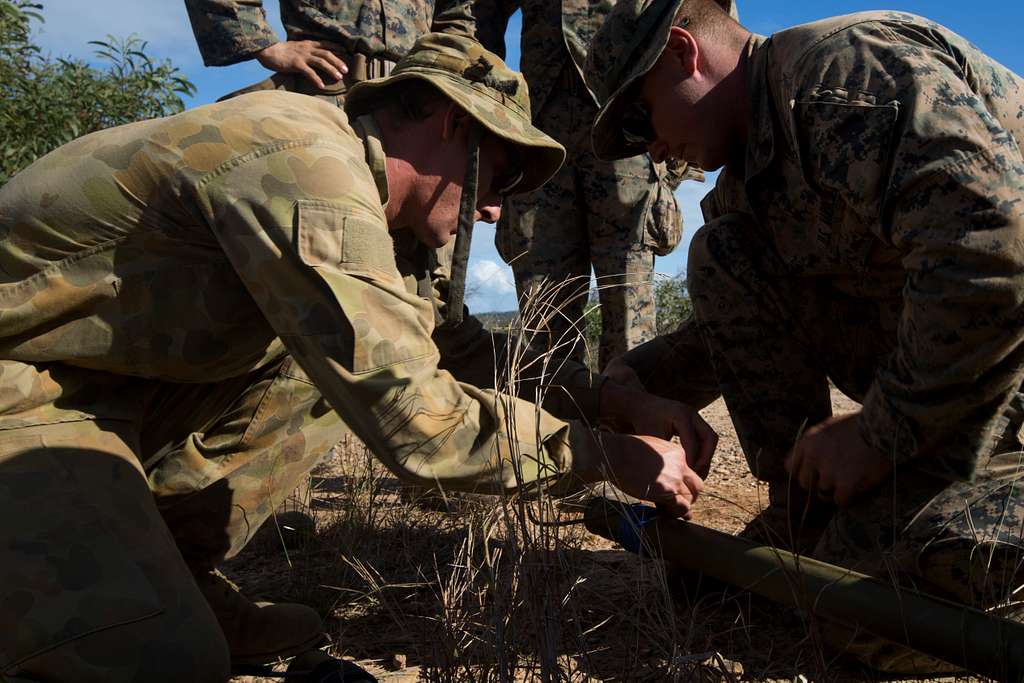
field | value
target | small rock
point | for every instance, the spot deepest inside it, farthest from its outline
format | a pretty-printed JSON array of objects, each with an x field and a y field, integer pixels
[{"x": 397, "y": 662}]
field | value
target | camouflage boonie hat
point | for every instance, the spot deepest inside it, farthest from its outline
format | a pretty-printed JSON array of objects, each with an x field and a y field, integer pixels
[
  {"x": 625, "y": 48},
  {"x": 479, "y": 82}
]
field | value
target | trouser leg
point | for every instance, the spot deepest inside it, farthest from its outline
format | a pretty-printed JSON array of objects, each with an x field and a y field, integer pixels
[
  {"x": 959, "y": 540},
  {"x": 542, "y": 236},
  {"x": 92, "y": 587},
  {"x": 775, "y": 341},
  {"x": 618, "y": 199},
  {"x": 227, "y": 456}
]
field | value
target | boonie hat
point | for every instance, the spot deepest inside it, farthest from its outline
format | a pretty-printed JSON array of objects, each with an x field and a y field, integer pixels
[
  {"x": 481, "y": 83},
  {"x": 624, "y": 48}
]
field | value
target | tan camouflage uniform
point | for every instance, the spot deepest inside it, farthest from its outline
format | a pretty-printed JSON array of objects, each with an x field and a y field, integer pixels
[
  {"x": 612, "y": 215},
  {"x": 192, "y": 311},
  {"x": 874, "y": 238}
]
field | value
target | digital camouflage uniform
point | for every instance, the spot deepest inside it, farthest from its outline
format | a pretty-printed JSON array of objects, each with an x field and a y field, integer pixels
[
  {"x": 612, "y": 215},
  {"x": 373, "y": 33},
  {"x": 193, "y": 309},
  {"x": 873, "y": 237}
]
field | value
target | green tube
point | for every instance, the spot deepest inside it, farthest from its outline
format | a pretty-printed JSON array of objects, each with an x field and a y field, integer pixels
[{"x": 961, "y": 635}]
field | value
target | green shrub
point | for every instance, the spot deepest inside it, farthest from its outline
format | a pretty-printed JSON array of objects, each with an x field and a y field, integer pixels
[{"x": 46, "y": 101}]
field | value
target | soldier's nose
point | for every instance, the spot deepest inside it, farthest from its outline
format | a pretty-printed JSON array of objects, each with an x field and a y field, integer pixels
[{"x": 489, "y": 214}]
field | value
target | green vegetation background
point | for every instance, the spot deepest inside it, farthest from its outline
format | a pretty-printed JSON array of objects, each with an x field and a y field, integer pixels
[{"x": 46, "y": 101}]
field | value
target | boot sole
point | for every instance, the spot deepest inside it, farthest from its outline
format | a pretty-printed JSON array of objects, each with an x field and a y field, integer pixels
[{"x": 271, "y": 657}]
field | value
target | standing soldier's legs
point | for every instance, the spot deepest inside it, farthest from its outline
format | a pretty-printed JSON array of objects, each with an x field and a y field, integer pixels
[
  {"x": 618, "y": 199},
  {"x": 92, "y": 587},
  {"x": 542, "y": 236}
]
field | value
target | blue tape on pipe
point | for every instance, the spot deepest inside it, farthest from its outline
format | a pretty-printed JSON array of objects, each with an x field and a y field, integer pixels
[{"x": 632, "y": 523}]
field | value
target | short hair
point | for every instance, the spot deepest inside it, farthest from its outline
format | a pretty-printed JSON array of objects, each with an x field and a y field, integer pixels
[{"x": 707, "y": 19}]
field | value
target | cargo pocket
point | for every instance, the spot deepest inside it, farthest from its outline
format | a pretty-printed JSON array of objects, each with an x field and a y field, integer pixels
[
  {"x": 64, "y": 574},
  {"x": 663, "y": 222},
  {"x": 354, "y": 254}
]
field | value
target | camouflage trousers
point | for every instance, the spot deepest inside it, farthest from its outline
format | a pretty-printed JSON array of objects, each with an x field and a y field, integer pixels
[
  {"x": 104, "y": 521},
  {"x": 591, "y": 213},
  {"x": 769, "y": 345}
]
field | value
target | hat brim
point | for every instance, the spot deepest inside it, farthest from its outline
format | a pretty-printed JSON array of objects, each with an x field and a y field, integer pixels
[
  {"x": 606, "y": 134},
  {"x": 541, "y": 155}
]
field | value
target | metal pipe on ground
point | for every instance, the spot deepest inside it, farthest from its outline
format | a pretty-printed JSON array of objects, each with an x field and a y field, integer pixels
[{"x": 961, "y": 635}]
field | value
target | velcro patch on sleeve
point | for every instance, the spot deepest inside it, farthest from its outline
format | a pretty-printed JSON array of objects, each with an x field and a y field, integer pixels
[{"x": 329, "y": 234}]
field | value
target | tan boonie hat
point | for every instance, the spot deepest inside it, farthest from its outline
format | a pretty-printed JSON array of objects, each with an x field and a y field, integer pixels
[
  {"x": 479, "y": 82},
  {"x": 625, "y": 48}
]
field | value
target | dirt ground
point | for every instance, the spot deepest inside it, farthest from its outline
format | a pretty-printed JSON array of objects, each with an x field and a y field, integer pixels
[{"x": 475, "y": 588}]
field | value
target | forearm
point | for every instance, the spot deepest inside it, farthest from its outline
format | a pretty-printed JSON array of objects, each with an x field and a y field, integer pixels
[
  {"x": 454, "y": 17},
  {"x": 229, "y": 31},
  {"x": 676, "y": 366}
]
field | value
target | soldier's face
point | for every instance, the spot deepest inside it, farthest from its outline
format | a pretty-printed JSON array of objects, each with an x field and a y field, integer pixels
[
  {"x": 440, "y": 193},
  {"x": 679, "y": 96}
]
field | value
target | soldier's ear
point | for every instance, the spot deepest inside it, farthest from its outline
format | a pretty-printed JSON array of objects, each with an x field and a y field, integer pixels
[
  {"x": 454, "y": 121},
  {"x": 684, "y": 50}
]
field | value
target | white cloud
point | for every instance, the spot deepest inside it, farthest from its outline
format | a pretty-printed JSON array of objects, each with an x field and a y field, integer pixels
[
  {"x": 490, "y": 286},
  {"x": 491, "y": 276}
]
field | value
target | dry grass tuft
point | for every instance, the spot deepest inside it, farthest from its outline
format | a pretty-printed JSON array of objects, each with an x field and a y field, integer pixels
[{"x": 497, "y": 588}]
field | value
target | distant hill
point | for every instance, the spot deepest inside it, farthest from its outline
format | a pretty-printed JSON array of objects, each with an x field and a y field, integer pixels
[{"x": 497, "y": 320}]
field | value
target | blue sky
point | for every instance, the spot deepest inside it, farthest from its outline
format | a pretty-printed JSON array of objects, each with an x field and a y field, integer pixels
[{"x": 995, "y": 26}]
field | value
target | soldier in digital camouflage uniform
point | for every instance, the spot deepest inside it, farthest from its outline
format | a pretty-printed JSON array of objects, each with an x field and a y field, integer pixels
[
  {"x": 329, "y": 46},
  {"x": 194, "y": 309},
  {"x": 867, "y": 229},
  {"x": 613, "y": 215}
]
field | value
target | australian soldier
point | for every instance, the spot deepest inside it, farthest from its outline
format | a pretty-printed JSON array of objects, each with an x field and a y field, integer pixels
[
  {"x": 194, "y": 309},
  {"x": 867, "y": 229}
]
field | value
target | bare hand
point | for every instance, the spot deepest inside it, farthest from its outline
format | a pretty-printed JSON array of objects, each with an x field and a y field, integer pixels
[
  {"x": 305, "y": 56},
  {"x": 650, "y": 415},
  {"x": 833, "y": 461},
  {"x": 651, "y": 469}
]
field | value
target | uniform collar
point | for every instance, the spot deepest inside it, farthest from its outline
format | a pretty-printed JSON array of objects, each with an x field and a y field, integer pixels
[
  {"x": 761, "y": 143},
  {"x": 366, "y": 128}
]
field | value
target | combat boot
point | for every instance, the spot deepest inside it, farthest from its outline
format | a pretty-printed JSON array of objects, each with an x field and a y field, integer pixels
[
  {"x": 259, "y": 632},
  {"x": 793, "y": 520}
]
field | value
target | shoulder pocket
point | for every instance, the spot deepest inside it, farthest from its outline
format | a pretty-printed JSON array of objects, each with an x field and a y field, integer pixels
[
  {"x": 845, "y": 144},
  {"x": 344, "y": 237}
]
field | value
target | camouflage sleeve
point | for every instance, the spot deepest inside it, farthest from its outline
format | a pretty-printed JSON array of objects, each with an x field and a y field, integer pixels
[
  {"x": 913, "y": 150},
  {"x": 492, "y": 21},
  {"x": 229, "y": 31},
  {"x": 304, "y": 230},
  {"x": 676, "y": 366},
  {"x": 455, "y": 17}
]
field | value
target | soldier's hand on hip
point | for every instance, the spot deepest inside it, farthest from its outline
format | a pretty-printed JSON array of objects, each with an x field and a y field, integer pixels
[
  {"x": 651, "y": 469},
  {"x": 832, "y": 461},
  {"x": 309, "y": 57}
]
